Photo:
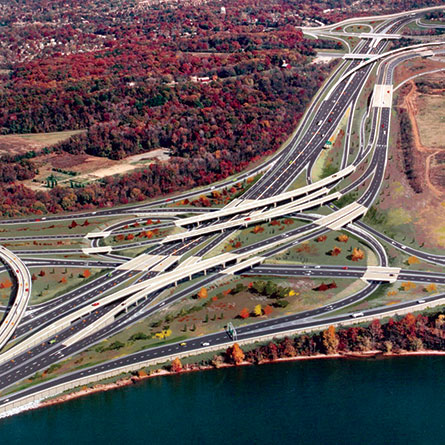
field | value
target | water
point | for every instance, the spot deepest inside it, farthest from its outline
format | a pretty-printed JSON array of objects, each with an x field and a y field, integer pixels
[{"x": 388, "y": 401}]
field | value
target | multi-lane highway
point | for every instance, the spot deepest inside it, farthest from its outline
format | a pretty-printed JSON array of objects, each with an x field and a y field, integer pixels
[{"x": 134, "y": 289}]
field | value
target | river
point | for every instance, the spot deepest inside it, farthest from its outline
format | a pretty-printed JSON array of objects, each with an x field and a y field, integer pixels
[{"x": 384, "y": 401}]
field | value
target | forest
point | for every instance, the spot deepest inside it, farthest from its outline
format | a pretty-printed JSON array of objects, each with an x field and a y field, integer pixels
[
  {"x": 410, "y": 333},
  {"x": 218, "y": 87}
]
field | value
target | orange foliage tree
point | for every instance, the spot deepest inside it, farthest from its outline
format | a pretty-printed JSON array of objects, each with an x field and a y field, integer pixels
[
  {"x": 258, "y": 229},
  {"x": 343, "y": 238},
  {"x": 244, "y": 313},
  {"x": 357, "y": 254},
  {"x": 5, "y": 284},
  {"x": 431, "y": 287},
  {"x": 267, "y": 310},
  {"x": 330, "y": 340},
  {"x": 322, "y": 239},
  {"x": 413, "y": 260},
  {"x": 176, "y": 365},
  {"x": 202, "y": 293},
  {"x": 235, "y": 354},
  {"x": 408, "y": 285},
  {"x": 86, "y": 273}
]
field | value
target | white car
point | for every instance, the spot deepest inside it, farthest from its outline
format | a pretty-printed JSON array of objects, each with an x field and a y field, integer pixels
[
  {"x": 205, "y": 343},
  {"x": 357, "y": 314},
  {"x": 421, "y": 301}
]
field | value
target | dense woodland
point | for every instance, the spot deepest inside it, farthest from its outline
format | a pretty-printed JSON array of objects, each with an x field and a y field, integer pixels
[
  {"x": 219, "y": 88},
  {"x": 410, "y": 333}
]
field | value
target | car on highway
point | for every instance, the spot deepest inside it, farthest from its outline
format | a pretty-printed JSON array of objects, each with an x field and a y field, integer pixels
[
  {"x": 205, "y": 343},
  {"x": 51, "y": 342},
  {"x": 95, "y": 304},
  {"x": 421, "y": 301},
  {"x": 345, "y": 267},
  {"x": 183, "y": 344},
  {"x": 357, "y": 314}
]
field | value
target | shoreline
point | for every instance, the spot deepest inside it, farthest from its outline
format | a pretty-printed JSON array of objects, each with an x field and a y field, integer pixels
[{"x": 142, "y": 375}]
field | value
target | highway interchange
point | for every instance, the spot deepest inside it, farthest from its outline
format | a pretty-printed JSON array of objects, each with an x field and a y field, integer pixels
[{"x": 133, "y": 289}]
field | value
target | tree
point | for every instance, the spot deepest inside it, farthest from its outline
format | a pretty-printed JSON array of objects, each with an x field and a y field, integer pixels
[
  {"x": 73, "y": 224},
  {"x": 288, "y": 348},
  {"x": 357, "y": 254},
  {"x": 86, "y": 273},
  {"x": 375, "y": 331},
  {"x": 281, "y": 303},
  {"x": 413, "y": 260},
  {"x": 235, "y": 354},
  {"x": 431, "y": 287},
  {"x": 244, "y": 313},
  {"x": 343, "y": 238},
  {"x": 258, "y": 229},
  {"x": 42, "y": 273},
  {"x": 5, "y": 284},
  {"x": 63, "y": 280},
  {"x": 408, "y": 285},
  {"x": 202, "y": 293},
  {"x": 257, "y": 310},
  {"x": 335, "y": 251},
  {"x": 322, "y": 239},
  {"x": 267, "y": 310},
  {"x": 176, "y": 365},
  {"x": 330, "y": 340}
]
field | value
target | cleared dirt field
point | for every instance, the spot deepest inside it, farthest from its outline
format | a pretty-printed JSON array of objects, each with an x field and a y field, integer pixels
[
  {"x": 22, "y": 143},
  {"x": 431, "y": 120},
  {"x": 412, "y": 214},
  {"x": 88, "y": 168}
]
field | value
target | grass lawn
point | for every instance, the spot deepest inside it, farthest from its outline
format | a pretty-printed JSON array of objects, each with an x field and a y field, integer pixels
[
  {"x": 389, "y": 294},
  {"x": 247, "y": 236},
  {"x": 140, "y": 234},
  {"x": 44, "y": 245},
  {"x": 82, "y": 226},
  {"x": 318, "y": 252},
  {"x": 51, "y": 282},
  {"x": 329, "y": 160}
]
